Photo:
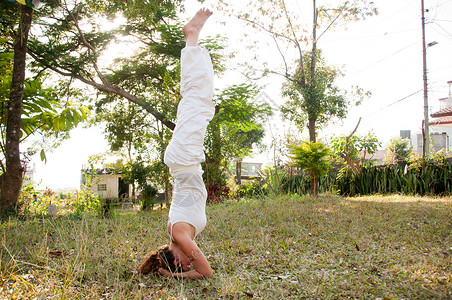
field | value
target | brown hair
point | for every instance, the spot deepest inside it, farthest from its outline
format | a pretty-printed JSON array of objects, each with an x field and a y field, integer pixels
[{"x": 163, "y": 257}]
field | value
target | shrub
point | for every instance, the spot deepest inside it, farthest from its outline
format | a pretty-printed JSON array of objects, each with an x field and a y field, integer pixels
[
  {"x": 250, "y": 188},
  {"x": 217, "y": 193},
  {"x": 273, "y": 179},
  {"x": 314, "y": 159},
  {"x": 86, "y": 201},
  {"x": 148, "y": 194}
]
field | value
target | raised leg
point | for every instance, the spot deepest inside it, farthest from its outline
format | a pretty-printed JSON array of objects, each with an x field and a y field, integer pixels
[{"x": 192, "y": 29}]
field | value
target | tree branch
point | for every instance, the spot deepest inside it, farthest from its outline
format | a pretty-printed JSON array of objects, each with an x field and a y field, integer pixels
[
  {"x": 300, "y": 51},
  {"x": 90, "y": 48},
  {"x": 287, "y": 77},
  {"x": 265, "y": 29},
  {"x": 334, "y": 20},
  {"x": 355, "y": 168},
  {"x": 1, "y": 162},
  {"x": 314, "y": 41},
  {"x": 108, "y": 89},
  {"x": 354, "y": 130},
  {"x": 282, "y": 55}
]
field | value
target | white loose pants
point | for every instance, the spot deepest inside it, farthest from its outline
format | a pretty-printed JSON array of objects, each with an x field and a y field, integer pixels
[{"x": 185, "y": 152}]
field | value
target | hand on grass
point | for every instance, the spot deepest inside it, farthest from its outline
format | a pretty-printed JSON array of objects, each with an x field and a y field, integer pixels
[{"x": 164, "y": 272}]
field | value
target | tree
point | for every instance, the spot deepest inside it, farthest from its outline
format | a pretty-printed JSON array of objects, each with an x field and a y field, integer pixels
[
  {"x": 235, "y": 128},
  {"x": 313, "y": 157},
  {"x": 399, "y": 151},
  {"x": 313, "y": 99},
  {"x": 27, "y": 107},
  {"x": 74, "y": 44},
  {"x": 304, "y": 82},
  {"x": 353, "y": 149},
  {"x": 126, "y": 130},
  {"x": 318, "y": 100},
  {"x": 11, "y": 179}
]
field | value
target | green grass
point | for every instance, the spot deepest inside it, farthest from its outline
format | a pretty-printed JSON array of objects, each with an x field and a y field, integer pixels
[{"x": 392, "y": 247}]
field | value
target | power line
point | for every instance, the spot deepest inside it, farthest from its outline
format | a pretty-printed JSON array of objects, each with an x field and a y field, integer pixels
[
  {"x": 400, "y": 100},
  {"x": 403, "y": 7},
  {"x": 395, "y": 102},
  {"x": 447, "y": 32},
  {"x": 362, "y": 37},
  {"x": 441, "y": 33},
  {"x": 436, "y": 9},
  {"x": 394, "y": 30},
  {"x": 445, "y": 2},
  {"x": 386, "y": 57}
]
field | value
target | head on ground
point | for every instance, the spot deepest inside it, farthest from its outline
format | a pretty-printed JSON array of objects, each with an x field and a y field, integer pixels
[{"x": 163, "y": 257}]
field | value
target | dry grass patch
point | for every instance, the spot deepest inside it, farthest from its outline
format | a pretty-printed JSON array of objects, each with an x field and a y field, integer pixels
[{"x": 285, "y": 248}]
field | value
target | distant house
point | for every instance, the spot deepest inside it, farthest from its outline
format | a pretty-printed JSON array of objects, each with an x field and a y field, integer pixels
[
  {"x": 248, "y": 169},
  {"x": 30, "y": 174},
  {"x": 441, "y": 123},
  {"x": 443, "y": 117},
  {"x": 378, "y": 157},
  {"x": 106, "y": 182},
  {"x": 251, "y": 169}
]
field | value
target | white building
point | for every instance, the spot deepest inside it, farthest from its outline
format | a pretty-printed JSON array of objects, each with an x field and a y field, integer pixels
[
  {"x": 105, "y": 183},
  {"x": 30, "y": 174},
  {"x": 441, "y": 123}
]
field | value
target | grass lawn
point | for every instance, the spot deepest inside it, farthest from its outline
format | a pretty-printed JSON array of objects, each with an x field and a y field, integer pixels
[{"x": 292, "y": 247}]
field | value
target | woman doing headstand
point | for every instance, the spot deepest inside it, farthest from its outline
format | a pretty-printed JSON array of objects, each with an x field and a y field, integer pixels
[{"x": 184, "y": 154}]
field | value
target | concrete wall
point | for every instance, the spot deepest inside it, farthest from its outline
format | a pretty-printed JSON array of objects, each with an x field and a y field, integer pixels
[
  {"x": 251, "y": 169},
  {"x": 439, "y": 141},
  {"x": 442, "y": 130}
]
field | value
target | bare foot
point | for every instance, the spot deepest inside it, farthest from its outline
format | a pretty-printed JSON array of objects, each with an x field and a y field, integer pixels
[{"x": 192, "y": 29}]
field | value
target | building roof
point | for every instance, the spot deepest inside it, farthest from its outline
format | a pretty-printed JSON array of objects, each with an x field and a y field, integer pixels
[
  {"x": 443, "y": 121},
  {"x": 447, "y": 111},
  {"x": 103, "y": 171}
]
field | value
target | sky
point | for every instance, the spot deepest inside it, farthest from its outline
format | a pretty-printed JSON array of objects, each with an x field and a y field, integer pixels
[{"x": 382, "y": 54}]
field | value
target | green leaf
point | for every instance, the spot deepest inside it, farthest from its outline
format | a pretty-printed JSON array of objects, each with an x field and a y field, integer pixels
[{"x": 43, "y": 155}]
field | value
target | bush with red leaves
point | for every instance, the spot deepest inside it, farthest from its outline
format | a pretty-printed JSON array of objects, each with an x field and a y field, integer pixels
[{"x": 217, "y": 193}]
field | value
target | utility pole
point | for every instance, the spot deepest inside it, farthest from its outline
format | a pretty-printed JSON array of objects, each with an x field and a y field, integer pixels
[{"x": 425, "y": 127}]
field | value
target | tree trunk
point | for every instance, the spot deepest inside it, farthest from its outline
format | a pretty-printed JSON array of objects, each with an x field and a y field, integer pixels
[
  {"x": 314, "y": 42},
  {"x": 214, "y": 159},
  {"x": 167, "y": 192},
  {"x": 314, "y": 185},
  {"x": 133, "y": 190},
  {"x": 238, "y": 171},
  {"x": 312, "y": 120},
  {"x": 11, "y": 180},
  {"x": 311, "y": 127},
  {"x": 312, "y": 138}
]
